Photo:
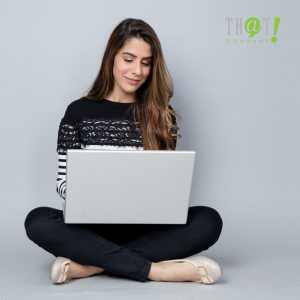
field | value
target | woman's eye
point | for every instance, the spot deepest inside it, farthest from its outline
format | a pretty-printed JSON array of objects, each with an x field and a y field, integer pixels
[{"x": 142, "y": 63}]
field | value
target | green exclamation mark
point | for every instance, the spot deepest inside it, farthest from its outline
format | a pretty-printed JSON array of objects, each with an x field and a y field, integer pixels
[{"x": 276, "y": 24}]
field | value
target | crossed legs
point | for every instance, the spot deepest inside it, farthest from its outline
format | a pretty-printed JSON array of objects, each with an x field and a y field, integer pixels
[{"x": 129, "y": 250}]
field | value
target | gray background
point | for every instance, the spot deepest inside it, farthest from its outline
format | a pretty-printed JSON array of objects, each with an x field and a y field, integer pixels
[{"x": 239, "y": 105}]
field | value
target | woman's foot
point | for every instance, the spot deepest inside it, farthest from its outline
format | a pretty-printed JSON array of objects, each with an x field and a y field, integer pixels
[
  {"x": 171, "y": 271},
  {"x": 78, "y": 271},
  {"x": 199, "y": 268},
  {"x": 63, "y": 269}
]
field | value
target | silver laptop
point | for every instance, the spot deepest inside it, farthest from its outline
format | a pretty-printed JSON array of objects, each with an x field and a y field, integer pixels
[{"x": 128, "y": 186}]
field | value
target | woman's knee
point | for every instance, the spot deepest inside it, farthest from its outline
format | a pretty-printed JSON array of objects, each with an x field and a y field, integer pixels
[
  {"x": 210, "y": 218},
  {"x": 35, "y": 222}
]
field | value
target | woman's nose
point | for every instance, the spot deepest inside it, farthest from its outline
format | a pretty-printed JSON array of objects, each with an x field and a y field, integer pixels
[{"x": 136, "y": 69}]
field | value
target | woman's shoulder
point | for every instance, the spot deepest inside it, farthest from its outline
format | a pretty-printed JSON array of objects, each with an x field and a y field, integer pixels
[
  {"x": 78, "y": 103},
  {"x": 75, "y": 108}
]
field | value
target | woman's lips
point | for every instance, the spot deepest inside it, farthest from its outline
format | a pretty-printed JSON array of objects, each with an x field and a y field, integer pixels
[{"x": 132, "y": 81}]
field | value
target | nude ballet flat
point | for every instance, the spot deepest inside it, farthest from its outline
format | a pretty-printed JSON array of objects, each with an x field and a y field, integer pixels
[
  {"x": 209, "y": 270},
  {"x": 59, "y": 270}
]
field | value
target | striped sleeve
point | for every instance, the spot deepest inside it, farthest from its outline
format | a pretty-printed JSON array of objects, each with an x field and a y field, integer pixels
[
  {"x": 68, "y": 138},
  {"x": 61, "y": 178}
]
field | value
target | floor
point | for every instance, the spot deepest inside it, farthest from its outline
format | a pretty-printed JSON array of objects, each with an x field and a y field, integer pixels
[{"x": 267, "y": 276}]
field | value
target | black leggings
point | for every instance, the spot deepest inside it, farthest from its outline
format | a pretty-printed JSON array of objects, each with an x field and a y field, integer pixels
[{"x": 124, "y": 250}]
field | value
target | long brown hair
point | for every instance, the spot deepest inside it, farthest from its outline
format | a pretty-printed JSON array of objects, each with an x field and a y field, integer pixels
[{"x": 152, "y": 106}]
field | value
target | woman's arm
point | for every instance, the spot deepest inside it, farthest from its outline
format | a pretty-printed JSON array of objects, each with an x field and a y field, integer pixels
[{"x": 68, "y": 138}]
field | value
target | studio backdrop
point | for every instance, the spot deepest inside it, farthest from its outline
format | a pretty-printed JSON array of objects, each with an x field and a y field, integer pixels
[{"x": 235, "y": 70}]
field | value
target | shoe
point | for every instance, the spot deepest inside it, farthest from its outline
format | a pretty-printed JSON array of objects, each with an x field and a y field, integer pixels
[
  {"x": 59, "y": 270},
  {"x": 209, "y": 270}
]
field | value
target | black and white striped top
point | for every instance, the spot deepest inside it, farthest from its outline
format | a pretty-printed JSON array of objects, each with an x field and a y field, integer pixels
[{"x": 88, "y": 124}]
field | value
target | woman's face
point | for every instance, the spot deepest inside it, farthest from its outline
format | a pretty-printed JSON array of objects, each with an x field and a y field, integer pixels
[{"x": 133, "y": 61}]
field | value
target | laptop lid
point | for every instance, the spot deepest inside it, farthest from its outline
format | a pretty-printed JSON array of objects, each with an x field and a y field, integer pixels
[{"x": 128, "y": 186}]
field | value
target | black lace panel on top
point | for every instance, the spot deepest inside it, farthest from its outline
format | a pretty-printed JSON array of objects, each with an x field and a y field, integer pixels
[
  {"x": 116, "y": 132},
  {"x": 100, "y": 131}
]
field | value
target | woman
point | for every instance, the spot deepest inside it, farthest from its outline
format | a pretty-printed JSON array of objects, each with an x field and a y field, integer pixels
[{"x": 127, "y": 107}]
